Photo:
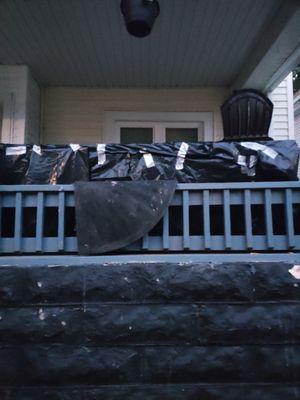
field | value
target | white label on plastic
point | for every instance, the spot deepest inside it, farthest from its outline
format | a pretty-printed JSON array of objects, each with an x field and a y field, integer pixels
[
  {"x": 149, "y": 160},
  {"x": 101, "y": 153},
  {"x": 242, "y": 160},
  {"x": 260, "y": 147},
  {"x": 75, "y": 146},
  {"x": 37, "y": 149},
  {"x": 253, "y": 145},
  {"x": 181, "y": 156},
  {"x": 252, "y": 161},
  {"x": 15, "y": 151},
  {"x": 295, "y": 271},
  {"x": 270, "y": 153}
]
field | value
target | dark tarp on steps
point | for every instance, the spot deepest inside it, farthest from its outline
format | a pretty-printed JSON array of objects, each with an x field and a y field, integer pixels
[{"x": 112, "y": 215}]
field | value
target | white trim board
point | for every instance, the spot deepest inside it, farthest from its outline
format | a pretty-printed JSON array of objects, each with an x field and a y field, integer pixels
[
  {"x": 290, "y": 100},
  {"x": 113, "y": 119},
  {"x": 8, "y": 103},
  {"x": 277, "y": 52}
]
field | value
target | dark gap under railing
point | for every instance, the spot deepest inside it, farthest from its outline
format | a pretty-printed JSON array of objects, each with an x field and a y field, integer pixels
[{"x": 176, "y": 221}]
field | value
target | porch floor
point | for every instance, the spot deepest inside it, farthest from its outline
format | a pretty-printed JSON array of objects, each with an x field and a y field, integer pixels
[{"x": 53, "y": 260}]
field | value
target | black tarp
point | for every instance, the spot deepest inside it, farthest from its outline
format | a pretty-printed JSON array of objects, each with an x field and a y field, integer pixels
[
  {"x": 112, "y": 215},
  {"x": 14, "y": 163},
  {"x": 46, "y": 164},
  {"x": 58, "y": 165},
  {"x": 185, "y": 162},
  {"x": 197, "y": 162}
]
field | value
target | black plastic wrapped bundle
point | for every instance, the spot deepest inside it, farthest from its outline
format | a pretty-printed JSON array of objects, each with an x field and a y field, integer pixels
[
  {"x": 217, "y": 162},
  {"x": 197, "y": 162},
  {"x": 58, "y": 165},
  {"x": 240, "y": 162},
  {"x": 155, "y": 161},
  {"x": 148, "y": 166},
  {"x": 277, "y": 160},
  {"x": 109, "y": 162},
  {"x": 132, "y": 162},
  {"x": 185, "y": 162},
  {"x": 14, "y": 163}
]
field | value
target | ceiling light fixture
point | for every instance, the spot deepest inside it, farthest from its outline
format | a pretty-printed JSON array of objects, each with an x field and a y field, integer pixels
[{"x": 139, "y": 16}]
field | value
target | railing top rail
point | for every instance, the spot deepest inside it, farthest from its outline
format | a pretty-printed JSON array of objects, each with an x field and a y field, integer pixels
[
  {"x": 36, "y": 188},
  {"x": 180, "y": 186},
  {"x": 238, "y": 185}
]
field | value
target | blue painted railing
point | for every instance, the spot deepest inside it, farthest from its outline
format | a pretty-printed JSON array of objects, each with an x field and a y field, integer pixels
[{"x": 201, "y": 217}]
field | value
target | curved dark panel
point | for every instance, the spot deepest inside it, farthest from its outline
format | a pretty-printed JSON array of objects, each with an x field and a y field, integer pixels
[
  {"x": 247, "y": 115},
  {"x": 112, "y": 215}
]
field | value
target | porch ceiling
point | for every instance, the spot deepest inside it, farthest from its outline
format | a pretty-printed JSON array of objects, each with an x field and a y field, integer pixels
[{"x": 84, "y": 43}]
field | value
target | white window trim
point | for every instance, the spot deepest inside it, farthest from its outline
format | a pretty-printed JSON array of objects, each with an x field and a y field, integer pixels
[
  {"x": 7, "y": 100},
  {"x": 113, "y": 120}
]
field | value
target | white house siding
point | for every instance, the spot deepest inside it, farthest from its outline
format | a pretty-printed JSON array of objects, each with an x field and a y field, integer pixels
[
  {"x": 282, "y": 125},
  {"x": 77, "y": 114},
  {"x": 21, "y": 96},
  {"x": 297, "y": 121},
  {"x": 285, "y": 125},
  {"x": 297, "y": 128},
  {"x": 297, "y": 135}
]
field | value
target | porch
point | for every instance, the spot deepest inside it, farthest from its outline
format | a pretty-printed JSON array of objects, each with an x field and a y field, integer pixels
[
  {"x": 206, "y": 304},
  {"x": 64, "y": 70},
  {"x": 97, "y": 84}
]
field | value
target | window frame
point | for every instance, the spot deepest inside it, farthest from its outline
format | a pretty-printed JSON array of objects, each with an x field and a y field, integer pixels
[{"x": 158, "y": 121}]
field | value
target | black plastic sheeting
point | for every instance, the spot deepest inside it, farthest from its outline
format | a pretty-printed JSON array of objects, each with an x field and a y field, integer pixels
[
  {"x": 14, "y": 163},
  {"x": 112, "y": 215},
  {"x": 203, "y": 162},
  {"x": 185, "y": 162},
  {"x": 50, "y": 164},
  {"x": 56, "y": 165}
]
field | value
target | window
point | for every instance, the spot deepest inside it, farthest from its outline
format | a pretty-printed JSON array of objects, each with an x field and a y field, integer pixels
[
  {"x": 136, "y": 135},
  {"x": 149, "y": 127},
  {"x": 179, "y": 134}
]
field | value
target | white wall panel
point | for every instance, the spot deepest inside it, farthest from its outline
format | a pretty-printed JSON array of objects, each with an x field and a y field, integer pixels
[
  {"x": 33, "y": 106},
  {"x": 13, "y": 86},
  {"x": 21, "y": 95},
  {"x": 77, "y": 114}
]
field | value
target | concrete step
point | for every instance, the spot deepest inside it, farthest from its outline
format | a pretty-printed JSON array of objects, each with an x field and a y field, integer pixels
[{"x": 150, "y": 331}]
